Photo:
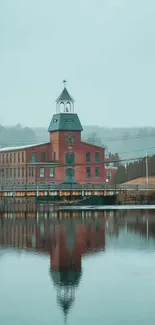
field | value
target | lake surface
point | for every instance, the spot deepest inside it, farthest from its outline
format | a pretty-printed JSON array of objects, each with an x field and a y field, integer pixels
[{"x": 77, "y": 267}]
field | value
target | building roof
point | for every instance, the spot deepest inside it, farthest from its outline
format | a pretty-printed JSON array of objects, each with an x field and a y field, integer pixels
[
  {"x": 22, "y": 147},
  {"x": 92, "y": 145},
  {"x": 65, "y": 122},
  {"x": 65, "y": 96}
]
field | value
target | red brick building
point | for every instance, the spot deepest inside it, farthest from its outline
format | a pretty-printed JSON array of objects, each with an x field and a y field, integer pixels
[
  {"x": 110, "y": 172},
  {"x": 65, "y": 158}
]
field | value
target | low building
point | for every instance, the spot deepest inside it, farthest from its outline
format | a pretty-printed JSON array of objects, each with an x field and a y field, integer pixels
[
  {"x": 65, "y": 158},
  {"x": 110, "y": 172}
]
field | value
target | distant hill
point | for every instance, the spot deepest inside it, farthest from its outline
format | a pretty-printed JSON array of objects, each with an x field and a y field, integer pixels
[
  {"x": 128, "y": 142},
  {"x": 16, "y": 136}
]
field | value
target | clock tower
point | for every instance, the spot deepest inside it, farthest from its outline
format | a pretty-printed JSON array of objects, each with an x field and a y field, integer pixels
[{"x": 65, "y": 127}]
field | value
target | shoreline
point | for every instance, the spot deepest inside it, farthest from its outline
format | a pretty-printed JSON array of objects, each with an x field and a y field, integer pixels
[{"x": 108, "y": 207}]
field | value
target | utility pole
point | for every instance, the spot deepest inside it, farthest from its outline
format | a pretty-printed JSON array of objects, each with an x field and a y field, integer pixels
[{"x": 147, "y": 171}]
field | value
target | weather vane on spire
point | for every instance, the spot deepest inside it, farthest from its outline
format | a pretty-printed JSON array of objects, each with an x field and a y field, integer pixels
[{"x": 64, "y": 82}]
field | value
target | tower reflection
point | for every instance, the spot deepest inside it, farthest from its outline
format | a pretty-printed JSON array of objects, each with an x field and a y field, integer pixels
[
  {"x": 65, "y": 241},
  {"x": 72, "y": 241},
  {"x": 67, "y": 236}
]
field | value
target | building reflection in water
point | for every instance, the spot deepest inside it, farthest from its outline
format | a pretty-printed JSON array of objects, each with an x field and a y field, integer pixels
[
  {"x": 67, "y": 236},
  {"x": 66, "y": 241}
]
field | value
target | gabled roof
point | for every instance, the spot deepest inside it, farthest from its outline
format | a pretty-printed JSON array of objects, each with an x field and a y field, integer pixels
[{"x": 65, "y": 96}]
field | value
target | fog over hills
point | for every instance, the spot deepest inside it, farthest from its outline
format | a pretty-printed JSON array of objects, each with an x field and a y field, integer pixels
[{"x": 128, "y": 142}]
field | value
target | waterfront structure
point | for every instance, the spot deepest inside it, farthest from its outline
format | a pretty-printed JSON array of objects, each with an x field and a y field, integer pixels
[{"x": 65, "y": 158}]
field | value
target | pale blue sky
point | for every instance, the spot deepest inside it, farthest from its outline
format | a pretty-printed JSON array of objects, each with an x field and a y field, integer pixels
[{"x": 104, "y": 48}]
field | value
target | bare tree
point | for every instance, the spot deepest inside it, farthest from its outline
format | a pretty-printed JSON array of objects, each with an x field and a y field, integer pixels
[{"x": 94, "y": 139}]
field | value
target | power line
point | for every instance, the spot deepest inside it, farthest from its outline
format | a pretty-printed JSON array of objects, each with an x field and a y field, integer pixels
[
  {"x": 138, "y": 150},
  {"x": 60, "y": 165},
  {"x": 125, "y": 138},
  {"x": 54, "y": 142},
  {"x": 122, "y": 138}
]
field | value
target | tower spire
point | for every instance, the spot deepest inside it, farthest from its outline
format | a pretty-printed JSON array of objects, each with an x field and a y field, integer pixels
[{"x": 65, "y": 103}]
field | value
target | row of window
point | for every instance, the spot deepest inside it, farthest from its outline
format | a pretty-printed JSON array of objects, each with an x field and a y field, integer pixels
[
  {"x": 89, "y": 156},
  {"x": 20, "y": 172},
  {"x": 88, "y": 172},
  {"x": 18, "y": 157},
  {"x": 43, "y": 157},
  {"x": 12, "y": 157},
  {"x": 12, "y": 172},
  {"x": 51, "y": 172},
  {"x": 70, "y": 157}
]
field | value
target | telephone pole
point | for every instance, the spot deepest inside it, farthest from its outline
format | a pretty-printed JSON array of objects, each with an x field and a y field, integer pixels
[{"x": 147, "y": 171}]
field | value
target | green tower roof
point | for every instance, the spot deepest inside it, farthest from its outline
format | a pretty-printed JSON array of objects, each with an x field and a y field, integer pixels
[
  {"x": 65, "y": 122},
  {"x": 65, "y": 96}
]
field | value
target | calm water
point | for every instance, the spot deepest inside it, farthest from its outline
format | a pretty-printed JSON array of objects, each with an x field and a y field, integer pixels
[{"x": 77, "y": 267}]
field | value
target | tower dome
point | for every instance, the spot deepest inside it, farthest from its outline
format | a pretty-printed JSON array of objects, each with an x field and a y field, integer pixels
[{"x": 65, "y": 118}]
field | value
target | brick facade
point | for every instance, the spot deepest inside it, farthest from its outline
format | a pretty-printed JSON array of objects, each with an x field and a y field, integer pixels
[{"x": 64, "y": 158}]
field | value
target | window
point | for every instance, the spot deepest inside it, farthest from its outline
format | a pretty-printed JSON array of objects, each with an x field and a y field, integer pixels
[
  {"x": 70, "y": 158},
  {"x": 88, "y": 156},
  {"x": 3, "y": 158},
  {"x": 88, "y": 172},
  {"x": 54, "y": 155},
  {"x": 14, "y": 157},
  {"x": 109, "y": 175},
  {"x": 33, "y": 157},
  {"x": 18, "y": 171},
  {"x": 43, "y": 156},
  {"x": 22, "y": 156},
  {"x": 31, "y": 171},
  {"x": 7, "y": 158},
  {"x": 7, "y": 172},
  {"x": 14, "y": 172},
  {"x": 22, "y": 171},
  {"x": 52, "y": 172},
  {"x": 97, "y": 171},
  {"x": 10, "y": 172},
  {"x": 70, "y": 174},
  {"x": 69, "y": 120},
  {"x": 10, "y": 157},
  {"x": 18, "y": 157},
  {"x": 42, "y": 172},
  {"x": 2, "y": 173},
  {"x": 97, "y": 156}
]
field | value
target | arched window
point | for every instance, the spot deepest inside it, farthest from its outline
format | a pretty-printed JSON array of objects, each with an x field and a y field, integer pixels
[
  {"x": 70, "y": 174},
  {"x": 68, "y": 107},
  {"x": 70, "y": 158},
  {"x": 62, "y": 107}
]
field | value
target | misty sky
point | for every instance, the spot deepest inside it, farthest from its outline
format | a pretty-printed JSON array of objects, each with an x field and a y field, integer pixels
[{"x": 104, "y": 48}]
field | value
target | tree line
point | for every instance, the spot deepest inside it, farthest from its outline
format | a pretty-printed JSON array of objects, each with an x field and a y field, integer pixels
[
  {"x": 135, "y": 169},
  {"x": 16, "y": 136}
]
